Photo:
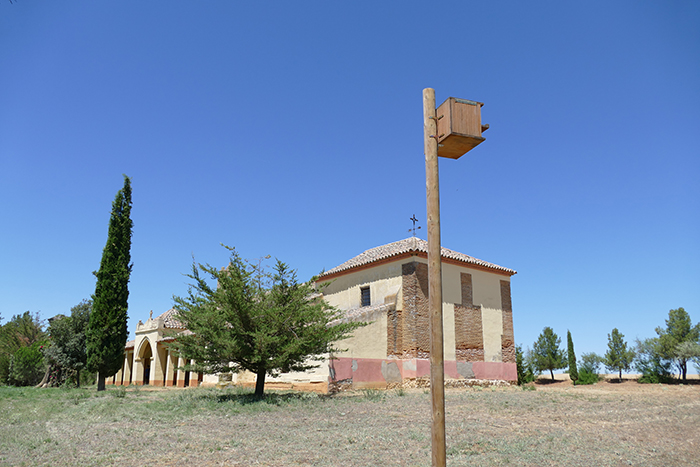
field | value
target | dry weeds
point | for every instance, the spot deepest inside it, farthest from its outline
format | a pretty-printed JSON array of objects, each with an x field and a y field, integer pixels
[{"x": 609, "y": 424}]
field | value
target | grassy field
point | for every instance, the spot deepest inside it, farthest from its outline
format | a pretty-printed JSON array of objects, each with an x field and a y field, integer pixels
[{"x": 554, "y": 424}]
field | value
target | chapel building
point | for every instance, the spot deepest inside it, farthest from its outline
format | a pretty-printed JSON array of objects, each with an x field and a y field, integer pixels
[{"x": 387, "y": 287}]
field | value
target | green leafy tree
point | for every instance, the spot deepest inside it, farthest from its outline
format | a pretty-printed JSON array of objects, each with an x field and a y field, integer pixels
[
  {"x": 27, "y": 365},
  {"x": 573, "y": 371},
  {"x": 590, "y": 362},
  {"x": 690, "y": 351},
  {"x": 525, "y": 372},
  {"x": 588, "y": 368},
  {"x": 21, "y": 331},
  {"x": 678, "y": 329},
  {"x": 650, "y": 363},
  {"x": 546, "y": 353},
  {"x": 68, "y": 346},
  {"x": 618, "y": 357},
  {"x": 106, "y": 333},
  {"x": 263, "y": 323}
]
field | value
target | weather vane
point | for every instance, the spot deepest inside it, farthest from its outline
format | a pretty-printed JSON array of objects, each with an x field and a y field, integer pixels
[{"x": 414, "y": 225}]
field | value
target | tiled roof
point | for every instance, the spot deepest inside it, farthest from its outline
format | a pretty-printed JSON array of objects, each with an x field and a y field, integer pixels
[
  {"x": 170, "y": 319},
  {"x": 409, "y": 245},
  {"x": 169, "y": 338},
  {"x": 130, "y": 344}
]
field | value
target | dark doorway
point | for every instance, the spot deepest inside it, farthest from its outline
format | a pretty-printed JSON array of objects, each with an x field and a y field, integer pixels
[{"x": 146, "y": 371}]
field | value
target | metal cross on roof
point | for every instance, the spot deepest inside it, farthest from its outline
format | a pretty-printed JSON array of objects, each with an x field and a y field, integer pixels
[{"x": 414, "y": 225}]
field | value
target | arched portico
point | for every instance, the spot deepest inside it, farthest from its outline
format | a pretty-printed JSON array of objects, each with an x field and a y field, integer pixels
[
  {"x": 150, "y": 360},
  {"x": 143, "y": 363}
]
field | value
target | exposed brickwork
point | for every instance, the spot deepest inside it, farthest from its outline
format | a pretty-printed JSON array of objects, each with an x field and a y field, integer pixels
[
  {"x": 469, "y": 346},
  {"x": 408, "y": 330},
  {"x": 466, "y": 286},
  {"x": 507, "y": 339},
  {"x": 394, "y": 331},
  {"x": 469, "y": 336}
]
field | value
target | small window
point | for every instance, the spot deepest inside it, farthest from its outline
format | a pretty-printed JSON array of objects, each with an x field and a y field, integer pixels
[{"x": 364, "y": 296}]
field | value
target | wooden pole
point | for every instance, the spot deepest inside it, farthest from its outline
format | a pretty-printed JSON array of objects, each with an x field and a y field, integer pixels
[{"x": 437, "y": 367}]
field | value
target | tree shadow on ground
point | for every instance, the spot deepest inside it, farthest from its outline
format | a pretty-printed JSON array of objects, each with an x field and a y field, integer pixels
[
  {"x": 549, "y": 381},
  {"x": 619, "y": 380},
  {"x": 680, "y": 382},
  {"x": 269, "y": 398},
  {"x": 669, "y": 381}
]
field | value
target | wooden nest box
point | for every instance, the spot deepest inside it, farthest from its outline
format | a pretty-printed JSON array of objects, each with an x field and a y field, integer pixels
[{"x": 459, "y": 127}]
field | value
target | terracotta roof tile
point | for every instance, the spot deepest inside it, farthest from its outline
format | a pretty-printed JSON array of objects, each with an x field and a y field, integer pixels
[
  {"x": 408, "y": 245},
  {"x": 170, "y": 319}
]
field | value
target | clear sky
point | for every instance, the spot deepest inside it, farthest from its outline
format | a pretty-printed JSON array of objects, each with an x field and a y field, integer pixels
[{"x": 294, "y": 129}]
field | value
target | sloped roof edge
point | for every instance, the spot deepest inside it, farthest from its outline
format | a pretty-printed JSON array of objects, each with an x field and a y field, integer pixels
[
  {"x": 409, "y": 245},
  {"x": 170, "y": 320}
]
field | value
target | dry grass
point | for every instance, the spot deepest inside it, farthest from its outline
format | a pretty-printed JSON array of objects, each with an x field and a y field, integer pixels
[{"x": 556, "y": 424}]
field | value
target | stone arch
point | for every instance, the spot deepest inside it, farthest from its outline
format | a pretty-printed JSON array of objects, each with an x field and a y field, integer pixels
[{"x": 144, "y": 358}]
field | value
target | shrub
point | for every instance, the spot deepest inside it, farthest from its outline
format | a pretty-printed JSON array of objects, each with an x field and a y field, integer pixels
[
  {"x": 589, "y": 368},
  {"x": 27, "y": 366},
  {"x": 650, "y": 362},
  {"x": 590, "y": 362},
  {"x": 119, "y": 393},
  {"x": 586, "y": 377},
  {"x": 21, "y": 331},
  {"x": 373, "y": 395},
  {"x": 524, "y": 367}
]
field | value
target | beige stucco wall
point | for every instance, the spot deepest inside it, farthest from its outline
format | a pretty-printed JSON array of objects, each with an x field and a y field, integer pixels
[
  {"x": 383, "y": 281},
  {"x": 315, "y": 375},
  {"x": 319, "y": 374},
  {"x": 368, "y": 341},
  {"x": 486, "y": 286},
  {"x": 486, "y": 293},
  {"x": 448, "y": 331},
  {"x": 492, "y": 323}
]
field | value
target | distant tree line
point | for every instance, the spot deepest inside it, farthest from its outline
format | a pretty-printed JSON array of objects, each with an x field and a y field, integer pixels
[
  {"x": 21, "y": 343},
  {"x": 655, "y": 358},
  {"x": 33, "y": 354}
]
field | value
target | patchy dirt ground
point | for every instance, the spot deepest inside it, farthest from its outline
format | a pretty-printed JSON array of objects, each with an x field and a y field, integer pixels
[{"x": 608, "y": 424}]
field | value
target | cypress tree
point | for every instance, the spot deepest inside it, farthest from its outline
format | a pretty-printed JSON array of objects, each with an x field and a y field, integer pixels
[
  {"x": 573, "y": 371},
  {"x": 106, "y": 333}
]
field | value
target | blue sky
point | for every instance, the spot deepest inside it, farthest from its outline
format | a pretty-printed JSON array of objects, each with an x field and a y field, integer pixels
[{"x": 295, "y": 129}]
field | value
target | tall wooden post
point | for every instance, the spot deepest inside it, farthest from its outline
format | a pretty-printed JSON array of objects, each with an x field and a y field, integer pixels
[{"x": 437, "y": 367}]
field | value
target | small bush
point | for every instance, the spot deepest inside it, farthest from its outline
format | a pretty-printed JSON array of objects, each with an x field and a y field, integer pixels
[
  {"x": 373, "y": 394},
  {"x": 650, "y": 363},
  {"x": 587, "y": 377},
  {"x": 655, "y": 378},
  {"x": 27, "y": 366},
  {"x": 526, "y": 373},
  {"x": 78, "y": 396},
  {"x": 119, "y": 393},
  {"x": 590, "y": 362}
]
